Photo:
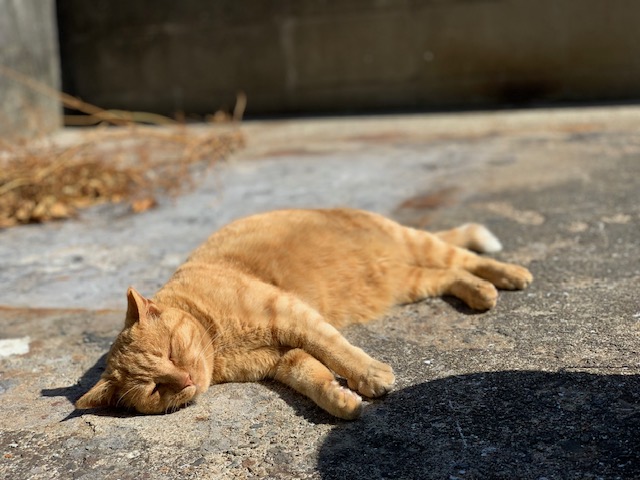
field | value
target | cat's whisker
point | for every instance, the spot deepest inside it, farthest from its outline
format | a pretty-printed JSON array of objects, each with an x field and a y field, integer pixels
[
  {"x": 201, "y": 355},
  {"x": 121, "y": 397},
  {"x": 138, "y": 397},
  {"x": 209, "y": 344},
  {"x": 174, "y": 405},
  {"x": 212, "y": 338}
]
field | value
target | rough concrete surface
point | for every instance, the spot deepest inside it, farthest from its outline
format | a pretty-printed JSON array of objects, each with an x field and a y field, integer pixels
[{"x": 545, "y": 386}]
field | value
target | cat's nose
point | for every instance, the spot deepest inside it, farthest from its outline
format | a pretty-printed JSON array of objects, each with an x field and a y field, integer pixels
[{"x": 187, "y": 381}]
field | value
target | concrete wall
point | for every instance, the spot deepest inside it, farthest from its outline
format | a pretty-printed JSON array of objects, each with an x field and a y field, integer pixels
[
  {"x": 338, "y": 55},
  {"x": 29, "y": 46}
]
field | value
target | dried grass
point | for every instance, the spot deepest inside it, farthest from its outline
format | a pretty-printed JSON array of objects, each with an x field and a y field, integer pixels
[{"x": 41, "y": 182}]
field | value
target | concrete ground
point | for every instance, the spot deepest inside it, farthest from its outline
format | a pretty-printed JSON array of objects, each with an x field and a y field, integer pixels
[{"x": 545, "y": 386}]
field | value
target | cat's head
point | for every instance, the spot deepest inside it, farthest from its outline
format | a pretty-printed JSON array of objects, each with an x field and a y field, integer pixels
[{"x": 160, "y": 361}]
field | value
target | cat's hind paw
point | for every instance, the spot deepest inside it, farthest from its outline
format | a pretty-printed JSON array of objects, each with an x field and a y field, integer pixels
[
  {"x": 505, "y": 276},
  {"x": 520, "y": 278},
  {"x": 514, "y": 277},
  {"x": 378, "y": 380}
]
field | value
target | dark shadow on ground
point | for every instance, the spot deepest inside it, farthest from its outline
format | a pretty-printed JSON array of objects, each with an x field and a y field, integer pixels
[
  {"x": 74, "y": 392},
  {"x": 302, "y": 405},
  {"x": 88, "y": 380},
  {"x": 460, "y": 306},
  {"x": 503, "y": 425}
]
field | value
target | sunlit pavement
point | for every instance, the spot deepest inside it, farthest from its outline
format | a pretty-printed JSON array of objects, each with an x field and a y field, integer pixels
[{"x": 545, "y": 385}]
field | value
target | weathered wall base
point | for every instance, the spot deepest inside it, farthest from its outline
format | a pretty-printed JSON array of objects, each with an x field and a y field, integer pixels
[
  {"x": 310, "y": 56},
  {"x": 28, "y": 46}
]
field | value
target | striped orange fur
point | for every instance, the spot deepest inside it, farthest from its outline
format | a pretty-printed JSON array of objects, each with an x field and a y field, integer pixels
[{"x": 264, "y": 298}]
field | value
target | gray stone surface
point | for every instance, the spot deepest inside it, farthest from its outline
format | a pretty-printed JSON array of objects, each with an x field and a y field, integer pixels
[{"x": 546, "y": 385}]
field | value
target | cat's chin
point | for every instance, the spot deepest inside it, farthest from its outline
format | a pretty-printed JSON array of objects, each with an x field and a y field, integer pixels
[
  {"x": 186, "y": 396},
  {"x": 190, "y": 393}
]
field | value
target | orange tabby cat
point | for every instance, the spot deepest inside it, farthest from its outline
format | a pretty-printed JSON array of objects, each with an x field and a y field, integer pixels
[{"x": 262, "y": 298}]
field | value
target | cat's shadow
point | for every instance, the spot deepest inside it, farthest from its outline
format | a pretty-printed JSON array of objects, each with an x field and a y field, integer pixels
[
  {"x": 74, "y": 392},
  {"x": 302, "y": 406},
  {"x": 509, "y": 424},
  {"x": 460, "y": 306}
]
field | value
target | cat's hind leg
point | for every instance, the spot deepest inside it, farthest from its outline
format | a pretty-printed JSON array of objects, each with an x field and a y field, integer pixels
[
  {"x": 428, "y": 250},
  {"x": 417, "y": 283},
  {"x": 308, "y": 376}
]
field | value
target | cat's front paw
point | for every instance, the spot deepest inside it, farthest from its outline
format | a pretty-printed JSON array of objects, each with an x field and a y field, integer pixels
[
  {"x": 342, "y": 402},
  {"x": 377, "y": 381}
]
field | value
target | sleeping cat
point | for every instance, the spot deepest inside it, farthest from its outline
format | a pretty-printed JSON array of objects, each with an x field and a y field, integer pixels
[{"x": 263, "y": 297}]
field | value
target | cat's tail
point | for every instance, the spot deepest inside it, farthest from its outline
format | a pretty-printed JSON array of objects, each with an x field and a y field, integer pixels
[{"x": 472, "y": 236}]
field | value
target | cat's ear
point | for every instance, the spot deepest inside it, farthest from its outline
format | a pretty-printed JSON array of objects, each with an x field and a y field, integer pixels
[
  {"x": 138, "y": 307},
  {"x": 102, "y": 394}
]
